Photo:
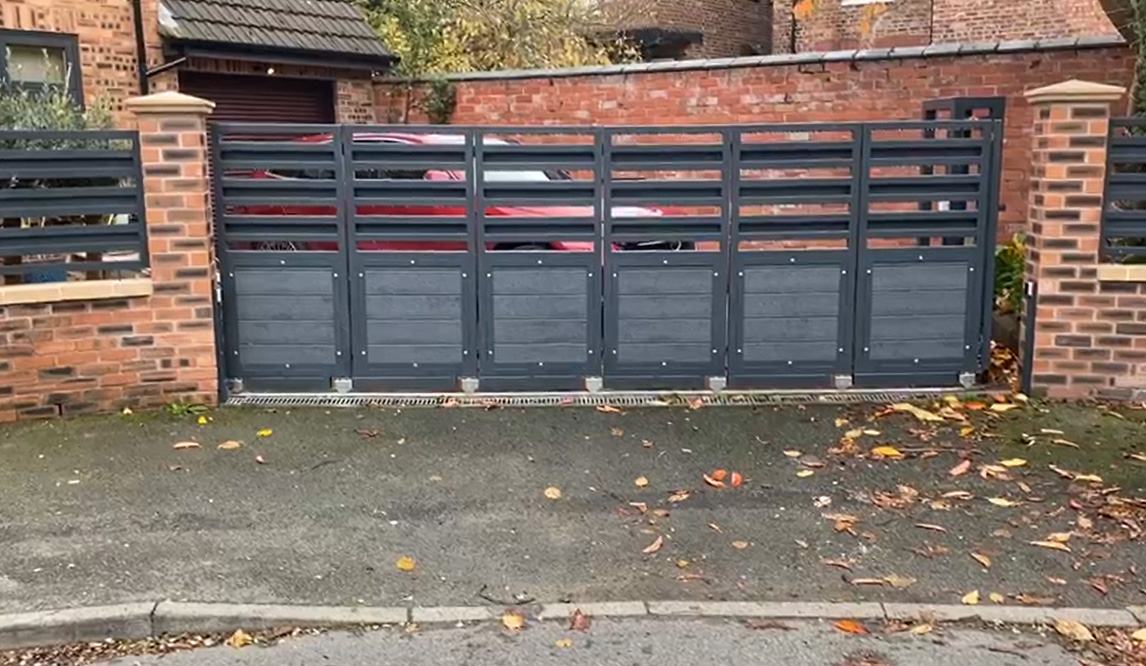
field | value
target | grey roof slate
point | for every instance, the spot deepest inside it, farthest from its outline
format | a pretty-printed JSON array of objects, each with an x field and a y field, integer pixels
[{"x": 320, "y": 26}]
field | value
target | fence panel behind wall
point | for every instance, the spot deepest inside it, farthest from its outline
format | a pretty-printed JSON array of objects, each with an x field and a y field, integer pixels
[
  {"x": 1124, "y": 201},
  {"x": 71, "y": 206}
]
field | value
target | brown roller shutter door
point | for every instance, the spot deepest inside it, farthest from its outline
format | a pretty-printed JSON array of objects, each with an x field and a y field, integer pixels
[{"x": 262, "y": 99}]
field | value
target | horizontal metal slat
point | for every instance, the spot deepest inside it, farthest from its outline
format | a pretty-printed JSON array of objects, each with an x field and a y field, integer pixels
[
  {"x": 794, "y": 190},
  {"x": 922, "y": 188},
  {"x": 667, "y": 156},
  {"x": 805, "y": 154},
  {"x": 77, "y": 267},
  {"x": 55, "y": 244}
]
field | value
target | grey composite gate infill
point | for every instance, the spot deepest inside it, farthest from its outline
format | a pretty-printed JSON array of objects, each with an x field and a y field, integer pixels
[
  {"x": 415, "y": 311},
  {"x": 666, "y": 312},
  {"x": 541, "y": 315},
  {"x": 286, "y": 315},
  {"x": 410, "y": 259},
  {"x": 792, "y": 314}
]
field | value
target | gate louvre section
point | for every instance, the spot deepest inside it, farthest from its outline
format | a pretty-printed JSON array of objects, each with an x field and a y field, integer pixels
[{"x": 401, "y": 258}]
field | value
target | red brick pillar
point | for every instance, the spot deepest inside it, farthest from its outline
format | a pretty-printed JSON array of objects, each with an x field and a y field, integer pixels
[
  {"x": 173, "y": 138},
  {"x": 1077, "y": 350}
]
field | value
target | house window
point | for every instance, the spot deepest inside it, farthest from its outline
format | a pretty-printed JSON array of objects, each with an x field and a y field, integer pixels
[{"x": 34, "y": 60}]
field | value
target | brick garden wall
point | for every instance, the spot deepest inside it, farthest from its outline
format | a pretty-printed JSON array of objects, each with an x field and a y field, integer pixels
[
  {"x": 769, "y": 91},
  {"x": 922, "y": 22},
  {"x": 111, "y": 343}
]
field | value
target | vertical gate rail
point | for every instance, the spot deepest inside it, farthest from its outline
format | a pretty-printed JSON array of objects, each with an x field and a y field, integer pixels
[
  {"x": 278, "y": 195},
  {"x": 922, "y": 307},
  {"x": 666, "y": 311},
  {"x": 792, "y": 291},
  {"x": 539, "y": 257}
]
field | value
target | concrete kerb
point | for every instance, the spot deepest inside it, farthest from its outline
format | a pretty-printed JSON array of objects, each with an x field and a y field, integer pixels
[{"x": 146, "y": 620}]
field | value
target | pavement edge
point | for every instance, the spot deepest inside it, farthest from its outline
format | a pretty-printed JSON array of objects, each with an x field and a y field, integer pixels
[{"x": 136, "y": 621}]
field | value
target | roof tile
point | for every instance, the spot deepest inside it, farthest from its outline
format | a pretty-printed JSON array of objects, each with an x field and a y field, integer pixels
[{"x": 328, "y": 26}]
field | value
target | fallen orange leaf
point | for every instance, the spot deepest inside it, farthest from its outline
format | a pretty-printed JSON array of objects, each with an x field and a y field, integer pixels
[
  {"x": 720, "y": 474},
  {"x": 851, "y": 627},
  {"x": 737, "y": 479},
  {"x": 1053, "y": 545},
  {"x": 654, "y": 546},
  {"x": 712, "y": 482},
  {"x": 960, "y": 469},
  {"x": 180, "y": 446}
]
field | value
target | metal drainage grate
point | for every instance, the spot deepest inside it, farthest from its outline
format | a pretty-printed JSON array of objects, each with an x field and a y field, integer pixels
[{"x": 581, "y": 399}]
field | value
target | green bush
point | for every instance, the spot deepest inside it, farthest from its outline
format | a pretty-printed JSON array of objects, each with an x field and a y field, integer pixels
[{"x": 1010, "y": 262}]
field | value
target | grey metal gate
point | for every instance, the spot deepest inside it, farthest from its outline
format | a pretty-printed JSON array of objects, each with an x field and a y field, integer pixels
[{"x": 381, "y": 258}]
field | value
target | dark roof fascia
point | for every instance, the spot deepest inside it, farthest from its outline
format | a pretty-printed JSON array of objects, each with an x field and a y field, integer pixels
[{"x": 330, "y": 59}]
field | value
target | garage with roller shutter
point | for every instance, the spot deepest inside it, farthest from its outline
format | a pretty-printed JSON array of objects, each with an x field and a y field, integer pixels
[{"x": 280, "y": 61}]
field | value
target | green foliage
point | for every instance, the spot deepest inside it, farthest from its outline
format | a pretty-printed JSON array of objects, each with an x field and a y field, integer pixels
[
  {"x": 1010, "y": 264},
  {"x": 446, "y": 36},
  {"x": 185, "y": 409},
  {"x": 440, "y": 101},
  {"x": 49, "y": 108}
]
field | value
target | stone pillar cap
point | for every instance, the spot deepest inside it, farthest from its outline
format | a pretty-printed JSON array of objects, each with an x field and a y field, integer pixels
[
  {"x": 1075, "y": 91},
  {"x": 169, "y": 102}
]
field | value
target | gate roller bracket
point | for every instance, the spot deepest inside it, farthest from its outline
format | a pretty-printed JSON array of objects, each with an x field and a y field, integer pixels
[
  {"x": 594, "y": 384},
  {"x": 717, "y": 384}
]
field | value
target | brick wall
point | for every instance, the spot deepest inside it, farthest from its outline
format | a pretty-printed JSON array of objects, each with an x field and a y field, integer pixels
[
  {"x": 730, "y": 27},
  {"x": 888, "y": 89},
  {"x": 106, "y": 39},
  {"x": 98, "y": 351},
  {"x": 923, "y": 22},
  {"x": 1089, "y": 328}
]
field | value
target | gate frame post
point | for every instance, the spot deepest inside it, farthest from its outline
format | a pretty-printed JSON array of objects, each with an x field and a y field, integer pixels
[
  {"x": 1065, "y": 352},
  {"x": 173, "y": 154}
]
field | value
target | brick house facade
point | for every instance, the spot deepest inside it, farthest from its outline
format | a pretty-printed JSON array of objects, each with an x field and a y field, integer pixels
[
  {"x": 103, "y": 34},
  {"x": 837, "y": 23},
  {"x": 698, "y": 28}
]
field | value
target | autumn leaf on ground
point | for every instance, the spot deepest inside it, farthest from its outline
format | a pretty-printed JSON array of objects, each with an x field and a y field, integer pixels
[
  {"x": 713, "y": 482},
  {"x": 736, "y": 479},
  {"x": 230, "y": 445},
  {"x": 970, "y": 599},
  {"x": 899, "y": 582},
  {"x": 841, "y": 564},
  {"x": 960, "y": 469},
  {"x": 720, "y": 474},
  {"x": 609, "y": 409},
  {"x": 1139, "y": 635},
  {"x": 1001, "y": 408},
  {"x": 265, "y": 432},
  {"x": 997, "y": 598},
  {"x": 563, "y": 643},
  {"x": 182, "y": 446},
  {"x": 1073, "y": 630},
  {"x": 640, "y": 482},
  {"x": 1065, "y": 442},
  {"x": 1053, "y": 545},
  {"x": 791, "y": 453},
  {"x": 679, "y": 496},
  {"x": 259, "y": 459},
  {"x": 1002, "y": 501},
  {"x": 917, "y": 412},
  {"x": 929, "y": 526},
  {"x": 648, "y": 444},
  {"x": 867, "y": 581},
  {"x": 553, "y": 493},
  {"x": 579, "y": 621},
  {"x": 203, "y": 420},
  {"x": 1013, "y": 462},
  {"x": 739, "y": 545},
  {"x": 921, "y": 629},
  {"x": 982, "y": 559},
  {"x": 406, "y": 564},
  {"x": 1061, "y": 537},
  {"x": 616, "y": 432},
  {"x": 512, "y": 620},
  {"x": 886, "y": 452},
  {"x": 805, "y": 473},
  {"x": 841, "y": 422},
  {"x": 239, "y": 639},
  {"x": 851, "y": 627},
  {"x": 654, "y": 546}
]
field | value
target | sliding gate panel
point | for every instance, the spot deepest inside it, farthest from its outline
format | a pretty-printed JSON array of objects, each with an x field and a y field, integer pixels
[
  {"x": 278, "y": 219},
  {"x": 796, "y": 189},
  {"x": 411, "y": 225},
  {"x": 539, "y": 210},
  {"x": 927, "y": 238},
  {"x": 666, "y": 263}
]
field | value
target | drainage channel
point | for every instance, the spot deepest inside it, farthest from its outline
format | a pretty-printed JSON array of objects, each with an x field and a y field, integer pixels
[{"x": 586, "y": 399}]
